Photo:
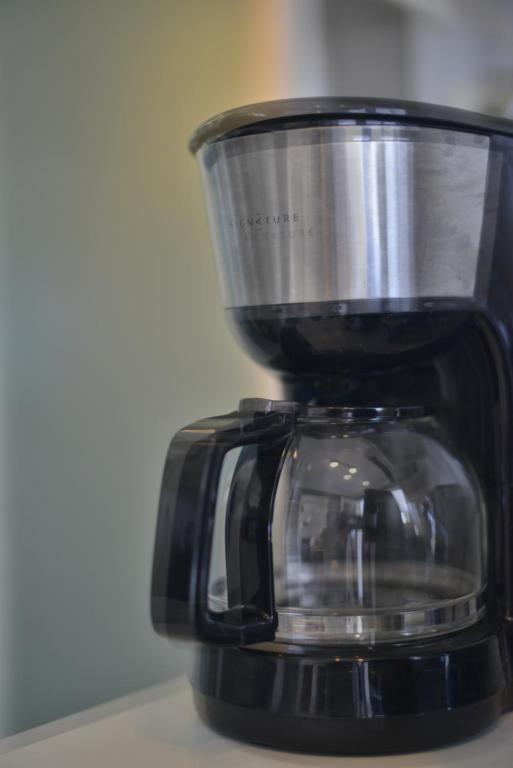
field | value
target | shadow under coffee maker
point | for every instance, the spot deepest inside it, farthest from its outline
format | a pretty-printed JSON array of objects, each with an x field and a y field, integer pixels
[{"x": 343, "y": 556}]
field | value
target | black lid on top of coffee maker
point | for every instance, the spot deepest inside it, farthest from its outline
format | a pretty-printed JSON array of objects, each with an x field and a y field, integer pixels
[{"x": 289, "y": 113}]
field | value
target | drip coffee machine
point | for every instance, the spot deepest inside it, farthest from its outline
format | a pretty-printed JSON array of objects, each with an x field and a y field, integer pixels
[{"x": 343, "y": 556}]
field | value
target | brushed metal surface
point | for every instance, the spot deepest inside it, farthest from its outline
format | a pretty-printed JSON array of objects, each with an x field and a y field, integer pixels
[{"x": 335, "y": 213}]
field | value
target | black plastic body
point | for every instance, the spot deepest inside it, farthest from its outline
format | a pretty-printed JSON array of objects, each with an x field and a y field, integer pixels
[
  {"x": 407, "y": 696},
  {"x": 455, "y": 358},
  {"x": 357, "y": 701}
]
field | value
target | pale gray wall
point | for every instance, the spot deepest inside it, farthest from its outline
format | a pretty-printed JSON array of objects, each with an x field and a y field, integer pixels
[
  {"x": 460, "y": 52},
  {"x": 111, "y": 335},
  {"x": 364, "y": 48}
]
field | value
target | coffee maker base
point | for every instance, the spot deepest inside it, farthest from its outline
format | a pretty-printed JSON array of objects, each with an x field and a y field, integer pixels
[
  {"x": 326, "y": 704},
  {"x": 349, "y": 736}
]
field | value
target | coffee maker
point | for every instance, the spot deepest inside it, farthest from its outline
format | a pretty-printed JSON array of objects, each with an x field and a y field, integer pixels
[{"x": 343, "y": 557}]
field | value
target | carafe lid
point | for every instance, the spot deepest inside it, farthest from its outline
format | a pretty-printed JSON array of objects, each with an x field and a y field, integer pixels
[{"x": 346, "y": 414}]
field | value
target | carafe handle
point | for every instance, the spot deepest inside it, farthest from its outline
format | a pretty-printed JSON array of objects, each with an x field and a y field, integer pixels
[{"x": 183, "y": 546}]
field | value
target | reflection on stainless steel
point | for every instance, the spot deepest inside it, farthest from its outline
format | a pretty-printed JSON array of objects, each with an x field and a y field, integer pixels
[
  {"x": 335, "y": 213},
  {"x": 373, "y": 627}
]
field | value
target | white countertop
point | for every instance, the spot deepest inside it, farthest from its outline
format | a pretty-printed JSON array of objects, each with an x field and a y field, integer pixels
[{"x": 159, "y": 728}]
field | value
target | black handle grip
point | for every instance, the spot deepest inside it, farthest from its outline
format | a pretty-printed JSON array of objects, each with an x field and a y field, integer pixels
[{"x": 179, "y": 596}]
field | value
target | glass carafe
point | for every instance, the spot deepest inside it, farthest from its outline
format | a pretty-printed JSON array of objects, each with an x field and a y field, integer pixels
[
  {"x": 378, "y": 530},
  {"x": 329, "y": 526}
]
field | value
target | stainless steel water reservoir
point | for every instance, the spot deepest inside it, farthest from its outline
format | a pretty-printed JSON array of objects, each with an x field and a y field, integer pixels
[{"x": 342, "y": 212}]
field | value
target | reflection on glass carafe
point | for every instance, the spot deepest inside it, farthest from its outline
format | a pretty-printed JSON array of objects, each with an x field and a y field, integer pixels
[{"x": 378, "y": 531}]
